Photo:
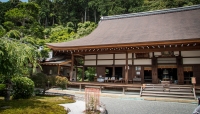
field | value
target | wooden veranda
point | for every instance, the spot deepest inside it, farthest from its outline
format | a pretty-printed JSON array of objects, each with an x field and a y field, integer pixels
[{"x": 122, "y": 86}]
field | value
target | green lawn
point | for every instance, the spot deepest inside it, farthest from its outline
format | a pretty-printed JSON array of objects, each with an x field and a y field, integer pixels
[{"x": 35, "y": 105}]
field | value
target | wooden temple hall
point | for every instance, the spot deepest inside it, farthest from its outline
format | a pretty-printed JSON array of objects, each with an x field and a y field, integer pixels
[{"x": 145, "y": 47}]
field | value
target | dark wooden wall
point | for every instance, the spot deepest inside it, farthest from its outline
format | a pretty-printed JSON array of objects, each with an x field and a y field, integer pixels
[
  {"x": 100, "y": 71},
  {"x": 196, "y": 73}
]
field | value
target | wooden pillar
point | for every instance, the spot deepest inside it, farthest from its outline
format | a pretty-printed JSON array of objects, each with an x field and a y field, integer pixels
[
  {"x": 76, "y": 74},
  {"x": 154, "y": 75},
  {"x": 154, "y": 71},
  {"x": 126, "y": 69},
  {"x": 180, "y": 72},
  {"x": 72, "y": 66},
  {"x": 113, "y": 65},
  {"x": 58, "y": 70},
  {"x": 113, "y": 73},
  {"x": 83, "y": 73}
]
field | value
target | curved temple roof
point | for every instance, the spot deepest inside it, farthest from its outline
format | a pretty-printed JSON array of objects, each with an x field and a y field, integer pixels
[{"x": 154, "y": 26}]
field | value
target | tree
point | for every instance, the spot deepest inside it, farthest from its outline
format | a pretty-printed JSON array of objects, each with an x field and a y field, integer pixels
[
  {"x": 85, "y": 28},
  {"x": 15, "y": 58},
  {"x": 5, "y": 6},
  {"x": 25, "y": 12}
]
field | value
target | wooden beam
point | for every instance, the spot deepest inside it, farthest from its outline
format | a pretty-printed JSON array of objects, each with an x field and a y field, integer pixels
[
  {"x": 66, "y": 62},
  {"x": 174, "y": 48},
  {"x": 72, "y": 66}
]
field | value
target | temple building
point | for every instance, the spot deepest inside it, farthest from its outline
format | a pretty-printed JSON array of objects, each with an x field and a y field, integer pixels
[{"x": 145, "y": 47}]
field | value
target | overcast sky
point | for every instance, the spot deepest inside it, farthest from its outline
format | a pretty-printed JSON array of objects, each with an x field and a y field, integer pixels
[{"x": 8, "y": 0}]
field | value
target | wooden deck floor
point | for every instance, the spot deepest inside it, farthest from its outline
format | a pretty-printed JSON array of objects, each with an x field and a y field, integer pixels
[{"x": 106, "y": 84}]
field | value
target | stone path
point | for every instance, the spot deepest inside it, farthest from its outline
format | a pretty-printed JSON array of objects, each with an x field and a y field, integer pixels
[{"x": 75, "y": 108}]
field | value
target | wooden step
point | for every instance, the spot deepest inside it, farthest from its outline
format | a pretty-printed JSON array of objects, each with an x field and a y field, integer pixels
[
  {"x": 132, "y": 88},
  {"x": 181, "y": 90},
  {"x": 167, "y": 95},
  {"x": 167, "y": 92},
  {"x": 176, "y": 87},
  {"x": 153, "y": 89}
]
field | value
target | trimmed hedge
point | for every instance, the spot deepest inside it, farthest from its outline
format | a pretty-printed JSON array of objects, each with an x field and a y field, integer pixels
[{"x": 23, "y": 88}]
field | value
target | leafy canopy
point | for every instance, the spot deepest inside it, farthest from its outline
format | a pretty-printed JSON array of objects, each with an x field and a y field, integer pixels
[{"x": 15, "y": 57}]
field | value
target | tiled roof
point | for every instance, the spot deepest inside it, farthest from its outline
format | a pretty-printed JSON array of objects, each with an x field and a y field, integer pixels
[{"x": 161, "y": 25}]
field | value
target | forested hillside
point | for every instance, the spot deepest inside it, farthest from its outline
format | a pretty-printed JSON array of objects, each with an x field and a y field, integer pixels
[{"x": 41, "y": 21}]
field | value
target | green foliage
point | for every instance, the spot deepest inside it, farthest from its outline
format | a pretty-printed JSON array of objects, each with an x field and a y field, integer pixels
[
  {"x": 79, "y": 73},
  {"x": 36, "y": 105},
  {"x": 8, "y": 25},
  {"x": 5, "y": 6},
  {"x": 17, "y": 15},
  {"x": 60, "y": 36},
  {"x": 2, "y": 31},
  {"x": 15, "y": 57},
  {"x": 45, "y": 52},
  {"x": 85, "y": 28},
  {"x": 13, "y": 34},
  {"x": 23, "y": 88},
  {"x": 2, "y": 89},
  {"x": 51, "y": 80},
  {"x": 61, "y": 82},
  {"x": 90, "y": 72},
  {"x": 36, "y": 30},
  {"x": 25, "y": 12},
  {"x": 2, "y": 86},
  {"x": 40, "y": 80}
]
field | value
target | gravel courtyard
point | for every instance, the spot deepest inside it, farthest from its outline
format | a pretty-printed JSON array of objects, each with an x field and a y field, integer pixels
[
  {"x": 132, "y": 106},
  {"x": 128, "y": 105}
]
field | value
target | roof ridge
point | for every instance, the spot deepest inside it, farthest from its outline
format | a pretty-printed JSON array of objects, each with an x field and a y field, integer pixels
[{"x": 155, "y": 12}]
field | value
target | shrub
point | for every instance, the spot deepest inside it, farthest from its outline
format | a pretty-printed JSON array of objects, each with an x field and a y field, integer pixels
[
  {"x": 61, "y": 82},
  {"x": 23, "y": 87},
  {"x": 51, "y": 81},
  {"x": 40, "y": 80},
  {"x": 2, "y": 89}
]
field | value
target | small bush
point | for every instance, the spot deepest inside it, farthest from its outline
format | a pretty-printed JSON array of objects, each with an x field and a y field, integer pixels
[
  {"x": 51, "y": 81},
  {"x": 61, "y": 82},
  {"x": 23, "y": 87},
  {"x": 2, "y": 89},
  {"x": 40, "y": 80}
]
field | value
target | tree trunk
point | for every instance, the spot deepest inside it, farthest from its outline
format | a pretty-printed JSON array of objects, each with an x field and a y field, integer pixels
[
  {"x": 46, "y": 23},
  {"x": 39, "y": 19},
  {"x": 23, "y": 22},
  {"x": 85, "y": 15},
  {"x": 53, "y": 21}
]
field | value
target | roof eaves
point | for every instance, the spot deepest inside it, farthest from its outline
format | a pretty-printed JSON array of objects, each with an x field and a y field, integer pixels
[
  {"x": 128, "y": 44},
  {"x": 171, "y": 10}
]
